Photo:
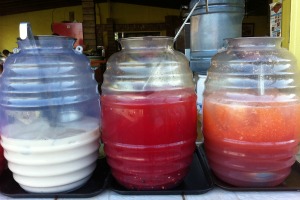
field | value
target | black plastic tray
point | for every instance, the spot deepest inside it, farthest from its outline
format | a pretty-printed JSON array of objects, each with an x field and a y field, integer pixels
[
  {"x": 95, "y": 185},
  {"x": 197, "y": 181}
]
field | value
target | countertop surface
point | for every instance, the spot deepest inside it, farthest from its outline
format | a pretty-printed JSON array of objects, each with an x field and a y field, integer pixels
[{"x": 215, "y": 194}]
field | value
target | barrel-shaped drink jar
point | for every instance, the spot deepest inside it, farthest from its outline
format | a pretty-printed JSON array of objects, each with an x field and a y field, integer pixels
[
  {"x": 3, "y": 163},
  {"x": 148, "y": 112},
  {"x": 251, "y": 112},
  {"x": 2, "y": 160},
  {"x": 50, "y": 107}
]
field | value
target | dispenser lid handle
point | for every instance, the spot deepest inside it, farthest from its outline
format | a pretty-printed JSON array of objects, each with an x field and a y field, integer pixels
[{"x": 25, "y": 31}]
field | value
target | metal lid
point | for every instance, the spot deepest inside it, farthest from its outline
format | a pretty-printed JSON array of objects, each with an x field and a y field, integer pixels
[
  {"x": 217, "y": 2},
  {"x": 212, "y": 6}
]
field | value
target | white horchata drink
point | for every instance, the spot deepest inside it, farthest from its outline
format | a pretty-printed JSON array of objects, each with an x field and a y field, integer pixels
[{"x": 46, "y": 159}]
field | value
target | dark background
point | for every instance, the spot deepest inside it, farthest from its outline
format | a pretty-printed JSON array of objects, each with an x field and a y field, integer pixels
[{"x": 8, "y": 7}]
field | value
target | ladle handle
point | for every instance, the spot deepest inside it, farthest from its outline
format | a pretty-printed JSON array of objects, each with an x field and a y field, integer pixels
[{"x": 187, "y": 18}]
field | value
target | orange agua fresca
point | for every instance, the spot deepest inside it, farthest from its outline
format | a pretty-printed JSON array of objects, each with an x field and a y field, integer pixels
[{"x": 251, "y": 140}]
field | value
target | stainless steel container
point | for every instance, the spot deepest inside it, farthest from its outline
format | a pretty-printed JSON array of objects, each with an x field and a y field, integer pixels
[{"x": 211, "y": 22}]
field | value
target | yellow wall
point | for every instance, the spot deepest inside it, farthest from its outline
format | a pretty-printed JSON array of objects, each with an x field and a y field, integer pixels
[
  {"x": 294, "y": 45},
  {"x": 290, "y": 27},
  {"x": 39, "y": 20},
  {"x": 261, "y": 24},
  {"x": 286, "y": 17},
  {"x": 123, "y": 13}
]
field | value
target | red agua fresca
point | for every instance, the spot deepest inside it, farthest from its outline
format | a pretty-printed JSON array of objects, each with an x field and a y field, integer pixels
[{"x": 149, "y": 114}]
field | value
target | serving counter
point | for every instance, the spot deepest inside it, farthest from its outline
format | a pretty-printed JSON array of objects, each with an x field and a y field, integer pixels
[{"x": 215, "y": 194}]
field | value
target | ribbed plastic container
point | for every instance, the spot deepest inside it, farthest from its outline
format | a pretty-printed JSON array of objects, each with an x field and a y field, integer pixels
[
  {"x": 149, "y": 114},
  {"x": 251, "y": 112},
  {"x": 2, "y": 160},
  {"x": 50, "y": 105}
]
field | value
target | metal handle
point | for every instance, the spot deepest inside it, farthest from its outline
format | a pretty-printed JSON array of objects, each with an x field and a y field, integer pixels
[
  {"x": 187, "y": 18},
  {"x": 206, "y": 4}
]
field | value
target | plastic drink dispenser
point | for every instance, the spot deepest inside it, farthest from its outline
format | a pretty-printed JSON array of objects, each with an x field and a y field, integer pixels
[
  {"x": 251, "y": 112},
  {"x": 50, "y": 104},
  {"x": 2, "y": 160},
  {"x": 3, "y": 163},
  {"x": 149, "y": 114}
]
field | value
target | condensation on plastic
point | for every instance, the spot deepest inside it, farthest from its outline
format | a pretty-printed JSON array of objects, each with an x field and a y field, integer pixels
[
  {"x": 254, "y": 63},
  {"x": 251, "y": 110},
  {"x": 46, "y": 85},
  {"x": 147, "y": 64}
]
